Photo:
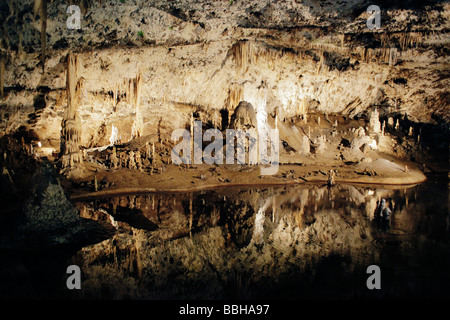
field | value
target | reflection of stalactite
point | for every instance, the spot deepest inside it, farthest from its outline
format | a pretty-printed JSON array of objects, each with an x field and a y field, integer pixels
[
  {"x": 258, "y": 229},
  {"x": 71, "y": 123}
]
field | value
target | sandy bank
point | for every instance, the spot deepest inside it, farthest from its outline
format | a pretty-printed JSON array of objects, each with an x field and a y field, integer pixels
[{"x": 176, "y": 179}]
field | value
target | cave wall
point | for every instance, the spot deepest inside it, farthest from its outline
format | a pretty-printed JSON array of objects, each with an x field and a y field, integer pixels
[{"x": 209, "y": 56}]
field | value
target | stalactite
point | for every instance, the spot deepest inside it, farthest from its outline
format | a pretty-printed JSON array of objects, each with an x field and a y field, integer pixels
[
  {"x": 2, "y": 74},
  {"x": 71, "y": 123},
  {"x": 321, "y": 63},
  {"x": 41, "y": 7},
  {"x": 43, "y": 31},
  {"x": 135, "y": 89},
  {"x": 235, "y": 95},
  {"x": 385, "y": 39},
  {"x": 392, "y": 56},
  {"x": 20, "y": 46},
  {"x": 342, "y": 39},
  {"x": 115, "y": 96}
]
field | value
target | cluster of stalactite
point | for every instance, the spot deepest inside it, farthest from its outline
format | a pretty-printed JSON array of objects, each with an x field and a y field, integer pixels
[
  {"x": 329, "y": 47},
  {"x": 388, "y": 52},
  {"x": 246, "y": 53},
  {"x": 404, "y": 39},
  {"x": 385, "y": 55}
]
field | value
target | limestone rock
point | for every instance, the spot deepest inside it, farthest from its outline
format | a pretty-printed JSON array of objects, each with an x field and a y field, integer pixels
[{"x": 50, "y": 219}]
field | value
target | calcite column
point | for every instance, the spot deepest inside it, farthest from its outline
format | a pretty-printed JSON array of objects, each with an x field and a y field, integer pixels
[{"x": 71, "y": 123}]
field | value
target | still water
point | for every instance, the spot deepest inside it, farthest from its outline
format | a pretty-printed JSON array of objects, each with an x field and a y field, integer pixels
[{"x": 304, "y": 241}]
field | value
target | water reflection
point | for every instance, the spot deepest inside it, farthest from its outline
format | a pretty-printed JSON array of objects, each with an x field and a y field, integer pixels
[{"x": 303, "y": 241}]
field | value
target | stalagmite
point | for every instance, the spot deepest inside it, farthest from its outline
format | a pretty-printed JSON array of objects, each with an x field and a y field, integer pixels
[
  {"x": 114, "y": 159},
  {"x": 410, "y": 131},
  {"x": 382, "y": 128},
  {"x": 331, "y": 178},
  {"x": 131, "y": 162},
  {"x": 122, "y": 160},
  {"x": 391, "y": 122},
  {"x": 149, "y": 152},
  {"x": 397, "y": 125},
  {"x": 374, "y": 122},
  {"x": 114, "y": 135},
  {"x": 306, "y": 147},
  {"x": 320, "y": 144},
  {"x": 138, "y": 160},
  {"x": 71, "y": 123}
]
